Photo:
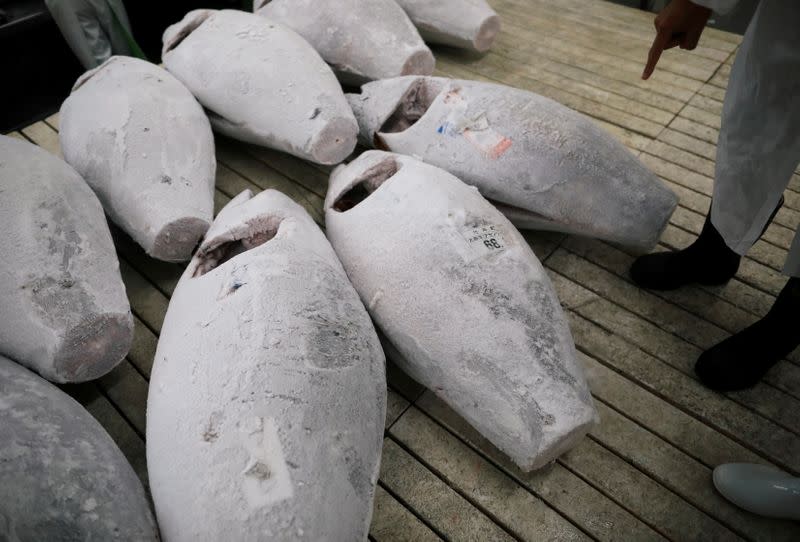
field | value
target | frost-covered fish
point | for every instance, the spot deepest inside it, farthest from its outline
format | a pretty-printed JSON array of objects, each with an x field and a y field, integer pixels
[
  {"x": 268, "y": 393},
  {"x": 143, "y": 143},
  {"x": 468, "y": 24},
  {"x": 63, "y": 308},
  {"x": 464, "y": 301},
  {"x": 61, "y": 475},
  {"x": 361, "y": 39},
  {"x": 262, "y": 83},
  {"x": 545, "y": 166}
]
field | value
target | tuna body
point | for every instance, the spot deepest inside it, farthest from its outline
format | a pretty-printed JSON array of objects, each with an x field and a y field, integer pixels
[
  {"x": 63, "y": 308},
  {"x": 463, "y": 300},
  {"x": 143, "y": 143},
  {"x": 267, "y": 399}
]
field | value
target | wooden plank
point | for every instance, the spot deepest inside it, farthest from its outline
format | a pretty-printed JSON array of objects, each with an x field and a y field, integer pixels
[
  {"x": 508, "y": 48},
  {"x": 573, "y": 497},
  {"x": 396, "y": 404},
  {"x": 548, "y": 23},
  {"x": 589, "y": 107},
  {"x": 554, "y": 48},
  {"x": 127, "y": 390},
  {"x": 675, "y": 426},
  {"x": 608, "y": 475},
  {"x": 766, "y": 400},
  {"x": 688, "y": 143},
  {"x": 17, "y": 135},
  {"x": 392, "y": 522},
  {"x": 130, "y": 443},
  {"x": 630, "y": 21},
  {"x": 686, "y": 477},
  {"x": 707, "y": 104},
  {"x": 433, "y": 500},
  {"x": 662, "y": 149},
  {"x": 45, "y": 137},
  {"x": 712, "y": 91},
  {"x": 503, "y": 69},
  {"x": 540, "y": 65},
  {"x": 520, "y": 512},
  {"x": 701, "y": 115},
  {"x": 710, "y": 304},
  {"x": 637, "y": 33},
  {"x": 750, "y": 430}
]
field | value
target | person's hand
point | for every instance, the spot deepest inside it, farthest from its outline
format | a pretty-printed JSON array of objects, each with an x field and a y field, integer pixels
[{"x": 680, "y": 23}]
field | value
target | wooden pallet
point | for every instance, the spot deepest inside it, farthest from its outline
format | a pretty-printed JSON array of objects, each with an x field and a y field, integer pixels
[{"x": 644, "y": 473}]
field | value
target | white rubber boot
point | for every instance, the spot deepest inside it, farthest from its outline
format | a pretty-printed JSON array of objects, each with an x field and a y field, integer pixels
[{"x": 760, "y": 489}]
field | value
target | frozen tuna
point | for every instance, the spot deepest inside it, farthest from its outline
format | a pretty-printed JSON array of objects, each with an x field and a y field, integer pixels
[
  {"x": 262, "y": 83},
  {"x": 63, "y": 309},
  {"x": 143, "y": 143},
  {"x": 61, "y": 475},
  {"x": 468, "y": 24},
  {"x": 361, "y": 39},
  {"x": 268, "y": 394},
  {"x": 463, "y": 300},
  {"x": 546, "y": 166}
]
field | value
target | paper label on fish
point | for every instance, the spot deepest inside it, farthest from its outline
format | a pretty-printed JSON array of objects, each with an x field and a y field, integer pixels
[{"x": 484, "y": 240}]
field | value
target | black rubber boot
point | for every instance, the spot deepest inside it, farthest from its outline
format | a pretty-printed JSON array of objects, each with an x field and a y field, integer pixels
[
  {"x": 741, "y": 360},
  {"x": 707, "y": 261}
]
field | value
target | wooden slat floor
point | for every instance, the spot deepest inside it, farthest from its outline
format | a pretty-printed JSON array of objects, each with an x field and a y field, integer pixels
[{"x": 645, "y": 472}]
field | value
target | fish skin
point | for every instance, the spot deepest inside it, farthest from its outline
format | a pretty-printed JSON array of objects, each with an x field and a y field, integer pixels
[
  {"x": 63, "y": 309},
  {"x": 62, "y": 477},
  {"x": 362, "y": 40},
  {"x": 261, "y": 83},
  {"x": 268, "y": 394},
  {"x": 475, "y": 27},
  {"x": 145, "y": 146},
  {"x": 464, "y": 302},
  {"x": 558, "y": 169}
]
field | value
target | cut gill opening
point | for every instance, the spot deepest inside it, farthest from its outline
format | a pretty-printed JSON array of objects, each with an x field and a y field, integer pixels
[
  {"x": 413, "y": 105},
  {"x": 189, "y": 26},
  {"x": 366, "y": 184},
  {"x": 257, "y": 232}
]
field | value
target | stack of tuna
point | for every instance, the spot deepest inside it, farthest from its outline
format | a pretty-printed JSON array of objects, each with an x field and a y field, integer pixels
[{"x": 269, "y": 378}]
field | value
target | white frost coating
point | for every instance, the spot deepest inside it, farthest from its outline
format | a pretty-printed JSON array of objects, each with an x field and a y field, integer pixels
[
  {"x": 267, "y": 399},
  {"x": 143, "y": 143},
  {"x": 463, "y": 299},
  {"x": 63, "y": 309},
  {"x": 557, "y": 168},
  {"x": 61, "y": 475},
  {"x": 469, "y": 24},
  {"x": 361, "y": 39},
  {"x": 261, "y": 83}
]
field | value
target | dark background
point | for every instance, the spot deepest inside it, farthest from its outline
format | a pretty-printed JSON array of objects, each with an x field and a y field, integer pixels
[{"x": 37, "y": 68}]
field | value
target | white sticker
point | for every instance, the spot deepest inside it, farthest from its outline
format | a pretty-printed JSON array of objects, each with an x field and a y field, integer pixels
[{"x": 484, "y": 240}]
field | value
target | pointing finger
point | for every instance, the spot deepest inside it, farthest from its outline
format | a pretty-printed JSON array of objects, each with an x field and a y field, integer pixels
[{"x": 660, "y": 42}]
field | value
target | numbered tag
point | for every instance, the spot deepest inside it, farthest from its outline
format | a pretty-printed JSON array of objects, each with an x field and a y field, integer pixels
[{"x": 484, "y": 240}]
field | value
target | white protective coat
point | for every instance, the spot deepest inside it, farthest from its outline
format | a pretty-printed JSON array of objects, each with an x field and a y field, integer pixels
[
  {"x": 468, "y": 24},
  {"x": 362, "y": 40},
  {"x": 63, "y": 309},
  {"x": 558, "y": 169},
  {"x": 759, "y": 140},
  {"x": 143, "y": 143},
  {"x": 267, "y": 400},
  {"x": 464, "y": 301},
  {"x": 61, "y": 475},
  {"x": 262, "y": 83}
]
